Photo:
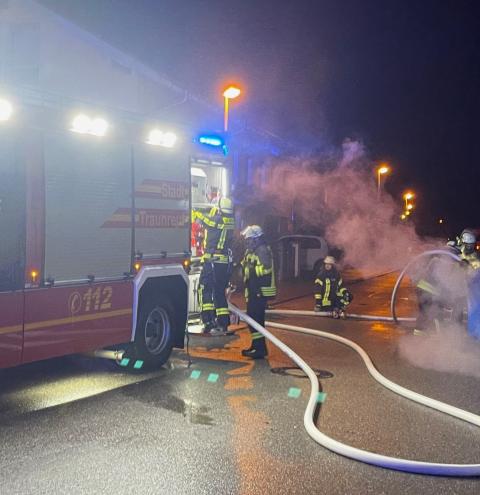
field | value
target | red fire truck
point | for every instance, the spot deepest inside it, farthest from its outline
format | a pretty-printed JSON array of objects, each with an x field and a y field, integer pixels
[{"x": 94, "y": 234}]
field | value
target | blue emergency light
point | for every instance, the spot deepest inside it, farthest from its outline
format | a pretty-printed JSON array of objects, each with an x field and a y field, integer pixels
[{"x": 209, "y": 140}]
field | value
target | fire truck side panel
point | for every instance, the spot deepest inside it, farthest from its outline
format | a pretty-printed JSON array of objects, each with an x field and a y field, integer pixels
[
  {"x": 162, "y": 200},
  {"x": 79, "y": 318},
  {"x": 11, "y": 328},
  {"x": 12, "y": 248},
  {"x": 35, "y": 205},
  {"x": 87, "y": 191},
  {"x": 67, "y": 241}
]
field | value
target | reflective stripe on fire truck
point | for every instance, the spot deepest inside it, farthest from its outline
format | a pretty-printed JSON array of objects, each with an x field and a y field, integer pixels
[{"x": 11, "y": 329}]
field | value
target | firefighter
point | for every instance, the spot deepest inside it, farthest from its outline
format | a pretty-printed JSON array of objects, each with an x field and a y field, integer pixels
[
  {"x": 216, "y": 261},
  {"x": 442, "y": 289},
  {"x": 259, "y": 280},
  {"x": 465, "y": 246},
  {"x": 430, "y": 297},
  {"x": 330, "y": 294}
]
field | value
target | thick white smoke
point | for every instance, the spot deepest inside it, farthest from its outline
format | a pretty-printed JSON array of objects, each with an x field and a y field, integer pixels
[
  {"x": 450, "y": 350},
  {"x": 337, "y": 194}
]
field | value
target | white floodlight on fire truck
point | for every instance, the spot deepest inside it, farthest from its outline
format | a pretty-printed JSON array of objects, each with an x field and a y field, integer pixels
[
  {"x": 6, "y": 110},
  {"x": 83, "y": 124},
  {"x": 99, "y": 127},
  {"x": 156, "y": 137}
]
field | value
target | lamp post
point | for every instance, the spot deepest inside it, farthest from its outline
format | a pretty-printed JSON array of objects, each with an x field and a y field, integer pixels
[
  {"x": 229, "y": 94},
  {"x": 382, "y": 170},
  {"x": 407, "y": 197}
]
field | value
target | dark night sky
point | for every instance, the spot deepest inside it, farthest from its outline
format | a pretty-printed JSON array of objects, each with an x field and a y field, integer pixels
[{"x": 402, "y": 75}]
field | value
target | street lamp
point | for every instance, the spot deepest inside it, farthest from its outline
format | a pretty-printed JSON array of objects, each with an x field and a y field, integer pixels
[
  {"x": 407, "y": 197},
  {"x": 229, "y": 94},
  {"x": 382, "y": 170}
]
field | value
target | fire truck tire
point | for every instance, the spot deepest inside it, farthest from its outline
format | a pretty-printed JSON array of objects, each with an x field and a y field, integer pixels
[{"x": 154, "y": 336}]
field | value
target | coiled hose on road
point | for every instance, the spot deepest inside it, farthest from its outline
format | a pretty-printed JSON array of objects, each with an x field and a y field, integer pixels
[{"x": 395, "y": 463}]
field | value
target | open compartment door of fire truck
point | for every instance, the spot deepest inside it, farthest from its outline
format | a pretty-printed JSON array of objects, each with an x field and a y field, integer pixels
[
  {"x": 210, "y": 177},
  {"x": 12, "y": 248}
]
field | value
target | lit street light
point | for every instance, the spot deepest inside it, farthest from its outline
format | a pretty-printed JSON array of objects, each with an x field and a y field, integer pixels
[
  {"x": 382, "y": 170},
  {"x": 229, "y": 94},
  {"x": 407, "y": 197}
]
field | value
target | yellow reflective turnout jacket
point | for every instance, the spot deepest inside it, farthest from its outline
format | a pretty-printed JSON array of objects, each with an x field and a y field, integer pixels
[
  {"x": 258, "y": 272},
  {"x": 218, "y": 234},
  {"x": 328, "y": 287}
]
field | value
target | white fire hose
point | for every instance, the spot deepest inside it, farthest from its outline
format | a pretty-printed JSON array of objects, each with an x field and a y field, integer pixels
[
  {"x": 294, "y": 312},
  {"x": 352, "y": 452}
]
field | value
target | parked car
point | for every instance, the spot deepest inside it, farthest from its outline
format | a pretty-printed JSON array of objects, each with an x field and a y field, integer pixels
[{"x": 298, "y": 253}]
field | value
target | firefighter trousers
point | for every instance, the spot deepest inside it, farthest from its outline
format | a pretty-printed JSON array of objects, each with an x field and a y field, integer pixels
[
  {"x": 214, "y": 280},
  {"x": 430, "y": 310},
  {"x": 336, "y": 303},
  {"x": 256, "y": 306}
]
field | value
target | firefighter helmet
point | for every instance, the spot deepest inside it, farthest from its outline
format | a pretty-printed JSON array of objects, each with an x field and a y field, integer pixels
[
  {"x": 468, "y": 237},
  {"x": 329, "y": 260},
  {"x": 252, "y": 232},
  {"x": 225, "y": 205}
]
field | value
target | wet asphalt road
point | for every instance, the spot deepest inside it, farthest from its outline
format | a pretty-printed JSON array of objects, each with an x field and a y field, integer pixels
[{"x": 227, "y": 425}]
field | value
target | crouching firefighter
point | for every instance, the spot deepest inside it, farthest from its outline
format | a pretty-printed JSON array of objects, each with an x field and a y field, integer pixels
[
  {"x": 219, "y": 227},
  {"x": 330, "y": 294},
  {"x": 259, "y": 280}
]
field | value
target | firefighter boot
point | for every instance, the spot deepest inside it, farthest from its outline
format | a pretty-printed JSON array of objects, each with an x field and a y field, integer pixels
[
  {"x": 207, "y": 328},
  {"x": 335, "y": 313},
  {"x": 258, "y": 350},
  {"x": 253, "y": 353},
  {"x": 218, "y": 332}
]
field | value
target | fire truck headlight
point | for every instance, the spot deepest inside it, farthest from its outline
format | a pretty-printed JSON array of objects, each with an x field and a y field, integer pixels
[
  {"x": 6, "y": 110},
  {"x": 160, "y": 138}
]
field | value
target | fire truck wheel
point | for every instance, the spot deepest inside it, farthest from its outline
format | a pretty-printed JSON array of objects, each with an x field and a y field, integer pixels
[{"x": 155, "y": 333}]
